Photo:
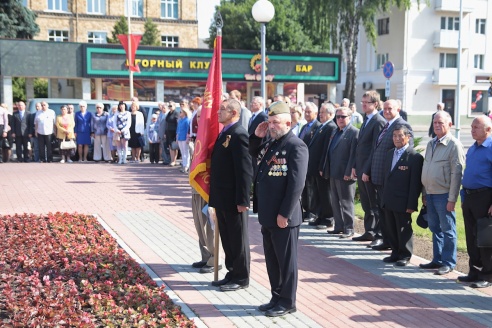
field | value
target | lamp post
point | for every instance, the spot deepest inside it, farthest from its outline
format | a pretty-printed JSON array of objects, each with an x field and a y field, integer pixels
[{"x": 263, "y": 12}]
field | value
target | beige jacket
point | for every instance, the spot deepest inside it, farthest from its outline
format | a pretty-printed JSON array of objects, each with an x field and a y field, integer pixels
[{"x": 442, "y": 170}]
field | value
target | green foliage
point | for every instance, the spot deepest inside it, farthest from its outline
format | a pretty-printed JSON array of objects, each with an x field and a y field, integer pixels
[
  {"x": 19, "y": 88},
  {"x": 241, "y": 31},
  {"x": 151, "y": 36},
  {"x": 17, "y": 21},
  {"x": 121, "y": 27}
]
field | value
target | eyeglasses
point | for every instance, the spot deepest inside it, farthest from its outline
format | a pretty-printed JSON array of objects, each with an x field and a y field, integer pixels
[
  {"x": 367, "y": 102},
  {"x": 98, "y": 107},
  {"x": 341, "y": 116}
]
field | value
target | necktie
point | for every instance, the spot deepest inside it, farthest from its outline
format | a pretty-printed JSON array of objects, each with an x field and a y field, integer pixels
[
  {"x": 304, "y": 131},
  {"x": 364, "y": 122},
  {"x": 383, "y": 132},
  {"x": 251, "y": 119}
]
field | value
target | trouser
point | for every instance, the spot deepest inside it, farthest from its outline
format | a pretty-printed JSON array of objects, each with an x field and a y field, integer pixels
[
  {"x": 325, "y": 210},
  {"x": 45, "y": 152},
  {"x": 101, "y": 148},
  {"x": 203, "y": 229},
  {"x": 35, "y": 148},
  {"x": 380, "y": 228},
  {"x": 400, "y": 234},
  {"x": 166, "y": 155},
  {"x": 21, "y": 148},
  {"x": 154, "y": 152},
  {"x": 342, "y": 202},
  {"x": 309, "y": 197},
  {"x": 367, "y": 193}
]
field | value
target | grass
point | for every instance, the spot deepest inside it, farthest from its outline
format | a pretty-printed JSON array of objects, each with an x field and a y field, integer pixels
[{"x": 418, "y": 231}]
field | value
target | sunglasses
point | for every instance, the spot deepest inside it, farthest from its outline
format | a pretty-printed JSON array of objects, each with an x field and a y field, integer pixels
[{"x": 341, "y": 116}]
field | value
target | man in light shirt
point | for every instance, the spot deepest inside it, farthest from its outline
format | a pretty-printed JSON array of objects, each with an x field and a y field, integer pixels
[{"x": 44, "y": 127}]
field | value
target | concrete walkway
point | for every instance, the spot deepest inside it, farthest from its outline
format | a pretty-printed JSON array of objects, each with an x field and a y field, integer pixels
[{"x": 341, "y": 283}]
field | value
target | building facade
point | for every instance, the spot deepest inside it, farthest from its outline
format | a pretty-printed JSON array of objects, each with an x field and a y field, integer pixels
[{"x": 422, "y": 43}]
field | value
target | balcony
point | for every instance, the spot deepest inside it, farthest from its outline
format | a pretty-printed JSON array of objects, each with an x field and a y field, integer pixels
[
  {"x": 453, "y": 6},
  {"x": 448, "y": 76},
  {"x": 448, "y": 39}
]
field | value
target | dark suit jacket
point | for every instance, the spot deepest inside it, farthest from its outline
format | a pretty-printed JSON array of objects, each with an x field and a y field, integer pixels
[
  {"x": 21, "y": 127},
  {"x": 260, "y": 117},
  {"x": 275, "y": 193},
  {"x": 230, "y": 170},
  {"x": 309, "y": 135},
  {"x": 367, "y": 138},
  {"x": 402, "y": 185},
  {"x": 318, "y": 146},
  {"x": 342, "y": 158},
  {"x": 403, "y": 115},
  {"x": 380, "y": 149}
]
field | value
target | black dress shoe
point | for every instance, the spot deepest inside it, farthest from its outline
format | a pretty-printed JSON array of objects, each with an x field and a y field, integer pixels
[
  {"x": 401, "y": 263},
  {"x": 315, "y": 222},
  {"x": 310, "y": 220},
  {"x": 468, "y": 278},
  {"x": 365, "y": 237},
  {"x": 347, "y": 235},
  {"x": 209, "y": 268},
  {"x": 390, "y": 259},
  {"x": 375, "y": 242},
  {"x": 221, "y": 282},
  {"x": 334, "y": 232},
  {"x": 430, "y": 265},
  {"x": 481, "y": 284},
  {"x": 381, "y": 247},
  {"x": 232, "y": 287},
  {"x": 279, "y": 311},
  {"x": 199, "y": 264},
  {"x": 444, "y": 270},
  {"x": 267, "y": 306}
]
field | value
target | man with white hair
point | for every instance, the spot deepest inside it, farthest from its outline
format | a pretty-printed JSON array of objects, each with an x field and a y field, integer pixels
[
  {"x": 441, "y": 177},
  {"x": 44, "y": 127},
  {"x": 345, "y": 102}
]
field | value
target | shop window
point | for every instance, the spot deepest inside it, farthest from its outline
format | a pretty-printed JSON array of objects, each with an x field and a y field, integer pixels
[
  {"x": 478, "y": 61},
  {"x": 381, "y": 59},
  {"x": 58, "y": 5},
  {"x": 169, "y": 9},
  {"x": 96, "y": 37},
  {"x": 57, "y": 36},
  {"x": 96, "y": 7},
  {"x": 383, "y": 26},
  {"x": 450, "y": 23},
  {"x": 480, "y": 26},
  {"x": 170, "y": 41},
  {"x": 136, "y": 8},
  {"x": 448, "y": 60}
]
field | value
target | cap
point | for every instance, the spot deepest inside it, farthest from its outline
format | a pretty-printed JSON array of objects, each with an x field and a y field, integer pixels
[
  {"x": 154, "y": 116},
  {"x": 278, "y": 107}
]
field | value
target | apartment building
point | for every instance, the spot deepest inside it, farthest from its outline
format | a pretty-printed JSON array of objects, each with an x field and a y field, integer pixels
[
  {"x": 92, "y": 21},
  {"x": 422, "y": 43}
]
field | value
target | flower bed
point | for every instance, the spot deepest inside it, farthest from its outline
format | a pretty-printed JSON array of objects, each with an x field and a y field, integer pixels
[{"x": 64, "y": 270}]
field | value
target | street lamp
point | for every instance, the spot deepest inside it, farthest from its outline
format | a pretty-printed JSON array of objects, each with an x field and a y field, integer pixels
[{"x": 263, "y": 12}]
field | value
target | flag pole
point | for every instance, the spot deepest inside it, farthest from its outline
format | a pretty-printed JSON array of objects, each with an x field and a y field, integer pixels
[{"x": 130, "y": 50}]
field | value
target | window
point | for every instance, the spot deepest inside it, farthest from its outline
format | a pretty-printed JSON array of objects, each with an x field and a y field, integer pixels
[
  {"x": 58, "y": 5},
  {"x": 96, "y": 37},
  {"x": 478, "y": 61},
  {"x": 480, "y": 26},
  {"x": 136, "y": 8},
  {"x": 381, "y": 59},
  {"x": 383, "y": 26},
  {"x": 170, "y": 41},
  {"x": 448, "y": 60},
  {"x": 450, "y": 23},
  {"x": 57, "y": 36},
  {"x": 96, "y": 7},
  {"x": 169, "y": 9}
]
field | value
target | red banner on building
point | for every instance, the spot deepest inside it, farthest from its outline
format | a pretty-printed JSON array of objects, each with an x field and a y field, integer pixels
[
  {"x": 208, "y": 126},
  {"x": 130, "y": 42}
]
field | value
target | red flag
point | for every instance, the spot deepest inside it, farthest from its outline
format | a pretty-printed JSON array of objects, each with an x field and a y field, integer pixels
[
  {"x": 134, "y": 42},
  {"x": 208, "y": 126}
]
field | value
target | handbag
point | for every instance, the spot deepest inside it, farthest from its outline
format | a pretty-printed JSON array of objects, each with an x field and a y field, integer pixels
[
  {"x": 67, "y": 144},
  {"x": 422, "y": 218},
  {"x": 141, "y": 141},
  {"x": 484, "y": 232},
  {"x": 5, "y": 143},
  {"x": 116, "y": 139}
]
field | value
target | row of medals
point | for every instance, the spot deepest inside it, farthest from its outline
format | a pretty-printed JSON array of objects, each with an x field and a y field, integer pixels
[{"x": 278, "y": 170}]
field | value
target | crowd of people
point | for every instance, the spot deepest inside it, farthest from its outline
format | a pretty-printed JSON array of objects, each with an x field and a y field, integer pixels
[{"x": 305, "y": 164}]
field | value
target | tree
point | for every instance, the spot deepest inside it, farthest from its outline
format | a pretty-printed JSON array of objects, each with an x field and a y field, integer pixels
[
  {"x": 241, "y": 31},
  {"x": 337, "y": 23},
  {"x": 151, "y": 36},
  {"x": 121, "y": 27},
  {"x": 17, "y": 21},
  {"x": 19, "y": 88}
]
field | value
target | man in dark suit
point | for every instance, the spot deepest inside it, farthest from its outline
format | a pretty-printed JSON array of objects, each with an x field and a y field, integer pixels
[
  {"x": 278, "y": 185},
  {"x": 371, "y": 127},
  {"x": 382, "y": 144},
  {"x": 20, "y": 131},
  {"x": 401, "y": 190},
  {"x": 338, "y": 164},
  {"x": 258, "y": 115},
  {"x": 230, "y": 182},
  {"x": 307, "y": 133},
  {"x": 318, "y": 198}
]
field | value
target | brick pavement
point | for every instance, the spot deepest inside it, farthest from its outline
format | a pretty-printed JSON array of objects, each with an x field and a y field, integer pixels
[{"x": 341, "y": 283}]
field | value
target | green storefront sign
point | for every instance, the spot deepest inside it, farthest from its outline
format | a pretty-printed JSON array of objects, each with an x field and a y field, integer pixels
[{"x": 193, "y": 64}]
